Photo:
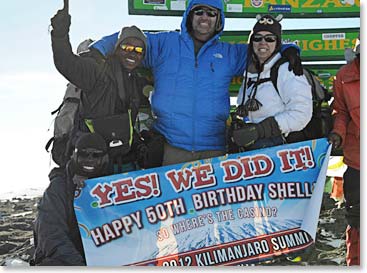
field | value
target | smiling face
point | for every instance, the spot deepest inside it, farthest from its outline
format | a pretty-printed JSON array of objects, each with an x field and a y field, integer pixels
[
  {"x": 264, "y": 44},
  {"x": 89, "y": 162},
  {"x": 203, "y": 23},
  {"x": 130, "y": 52}
]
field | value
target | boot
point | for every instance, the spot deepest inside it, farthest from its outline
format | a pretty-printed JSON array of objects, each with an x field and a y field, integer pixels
[{"x": 353, "y": 246}]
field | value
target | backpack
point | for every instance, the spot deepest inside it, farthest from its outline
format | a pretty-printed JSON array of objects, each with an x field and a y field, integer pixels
[
  {"x": 321, "y": 121},
  {"x": 64, "y": 125},
  {"x": 69, "y": 124}
]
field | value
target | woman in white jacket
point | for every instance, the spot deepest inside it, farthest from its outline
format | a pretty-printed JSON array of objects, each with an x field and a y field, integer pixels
[{"x": 270, "y": 115}]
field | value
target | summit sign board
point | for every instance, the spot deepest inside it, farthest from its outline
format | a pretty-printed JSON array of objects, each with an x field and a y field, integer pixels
[{"x": 249, "y": 8}]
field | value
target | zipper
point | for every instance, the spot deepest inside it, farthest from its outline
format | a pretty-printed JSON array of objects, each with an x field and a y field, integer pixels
[{"x": 194, "y": 105}]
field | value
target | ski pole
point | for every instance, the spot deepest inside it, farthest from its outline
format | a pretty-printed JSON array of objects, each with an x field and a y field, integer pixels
[{"x": 66, "y": 6}]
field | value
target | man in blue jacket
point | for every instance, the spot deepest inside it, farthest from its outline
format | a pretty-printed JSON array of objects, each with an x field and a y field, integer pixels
[{"x": 192, "y": 72}]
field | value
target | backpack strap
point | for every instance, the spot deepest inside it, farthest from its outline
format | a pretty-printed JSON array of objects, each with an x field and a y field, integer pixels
[
  {"x": 274, "y": 72},
  {"x": 49, "y": 142}
]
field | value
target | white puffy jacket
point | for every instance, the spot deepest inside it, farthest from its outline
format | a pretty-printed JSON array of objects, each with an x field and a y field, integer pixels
[{"x": 291, "y": 108}]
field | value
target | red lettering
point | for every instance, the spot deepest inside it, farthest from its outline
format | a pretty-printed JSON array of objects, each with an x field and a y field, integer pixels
[
  {"x": 203, "y": 177},
  {"x": 102, "y": 195},
  {"x": 178, "y": 180},
  {"x": 123, "y": 190},
  {"x": 142, "y": 184},
  {"x": 232, "y": 170},
  {"x": 263, "y": 165},
  {"x": 245, "y": 161},
  {"x": 297, "y": 155},
  {"x": 284, "y": 159}
]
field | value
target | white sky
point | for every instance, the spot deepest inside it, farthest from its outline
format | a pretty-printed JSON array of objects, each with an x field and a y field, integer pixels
[{"x": 30, "y": 86}]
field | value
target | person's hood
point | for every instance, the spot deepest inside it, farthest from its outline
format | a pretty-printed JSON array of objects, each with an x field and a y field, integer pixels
[{"x": 218, "y": 4}]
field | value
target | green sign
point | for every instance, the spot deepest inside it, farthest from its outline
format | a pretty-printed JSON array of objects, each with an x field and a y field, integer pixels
[
  {"x": 315, "y": 44},
  {"x": 249, "y": 8}
]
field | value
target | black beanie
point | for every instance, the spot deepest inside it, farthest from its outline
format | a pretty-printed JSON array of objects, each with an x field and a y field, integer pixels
[
  {"x": 91, "y": 140},
  {"x": 268, "y": 23},
  {"x": 133, "y": 32}
]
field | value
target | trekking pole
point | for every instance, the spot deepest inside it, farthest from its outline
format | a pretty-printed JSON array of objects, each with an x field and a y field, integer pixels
[{"x": 66, "y": 6}]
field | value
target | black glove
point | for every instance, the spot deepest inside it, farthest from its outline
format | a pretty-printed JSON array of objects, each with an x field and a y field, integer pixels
[
  {"x": 268, "y": 128},
  {"x": 295, "y": 63},
  {"x": 150, "y": 149},
  {"x": 246, "y": 135},
  {"x": 335, "y": 140},
  {"x": 250, "y": 132},
  {"x": 60, "y": 23}
]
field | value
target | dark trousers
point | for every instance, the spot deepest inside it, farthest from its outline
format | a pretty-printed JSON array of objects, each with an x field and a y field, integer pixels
[
  {"x": 351, "y": 189},
  {"x": 174, "y": 155}
]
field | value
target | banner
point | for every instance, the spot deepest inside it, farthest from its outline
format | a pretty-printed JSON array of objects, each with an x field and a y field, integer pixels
[
  {"x": 249, "y": 8},
  {"x": 236, "y": 209}
]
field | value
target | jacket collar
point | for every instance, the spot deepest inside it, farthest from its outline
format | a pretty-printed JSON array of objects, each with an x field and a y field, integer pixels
[{"x": 353, "y": 73}]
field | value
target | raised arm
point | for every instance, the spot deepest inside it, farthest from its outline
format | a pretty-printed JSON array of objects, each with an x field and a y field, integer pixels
[{"x": 81, "y": 71}]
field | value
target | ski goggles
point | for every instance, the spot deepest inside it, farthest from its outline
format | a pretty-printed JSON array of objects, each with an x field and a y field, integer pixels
[
  {"x": 209, "y": 12},
  {"x": 131, "y": 48},
  {"x": 269, "y": 38}
]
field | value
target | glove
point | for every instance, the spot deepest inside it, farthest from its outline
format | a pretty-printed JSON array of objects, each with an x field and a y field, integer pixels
[
  {"x": 250, "y": 132},
  {"x": 295, "y": 64},
  {"x": 60, "y": 23},
  {"x": 268, "y": 128},
  {"x": 335, "y": 140},
  {"x": 246, "y": 135}
]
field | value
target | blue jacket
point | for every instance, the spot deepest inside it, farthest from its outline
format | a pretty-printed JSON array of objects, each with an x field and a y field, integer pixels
[{"x": 191, "y": 97}]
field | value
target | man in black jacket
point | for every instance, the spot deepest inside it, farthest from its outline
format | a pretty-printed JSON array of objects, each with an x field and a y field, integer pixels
[
  {"x": 56, "y": 233},
  {"x": 111, "y": 88}
]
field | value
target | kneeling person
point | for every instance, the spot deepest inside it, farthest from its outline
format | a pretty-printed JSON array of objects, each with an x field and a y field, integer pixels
[{"x": 56, "y": 233}]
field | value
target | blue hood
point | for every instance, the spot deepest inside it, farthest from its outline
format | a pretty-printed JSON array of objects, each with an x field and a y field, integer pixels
[{"x": 218, "y": 4}]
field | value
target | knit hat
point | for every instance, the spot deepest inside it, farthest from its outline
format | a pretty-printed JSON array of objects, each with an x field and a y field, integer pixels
[
  {"x": 132, "y": 31},
  {"x": 91, "y": 140},
  {"x": 268, "y": 23}
]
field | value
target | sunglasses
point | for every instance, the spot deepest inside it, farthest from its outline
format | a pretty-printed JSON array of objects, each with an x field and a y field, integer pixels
[
  {"x": 209, "y": 13},
  {"x": 130, "y": 48},
  {"x": 269, "y": 38},
  {"x": 93, "y": 153}
]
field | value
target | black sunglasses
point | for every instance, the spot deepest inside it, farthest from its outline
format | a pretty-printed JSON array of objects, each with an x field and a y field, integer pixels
[
  {"x": 208, "y": 12},
  {"x": 269, "y": 38},
  {"x": 90, "y": 152}
]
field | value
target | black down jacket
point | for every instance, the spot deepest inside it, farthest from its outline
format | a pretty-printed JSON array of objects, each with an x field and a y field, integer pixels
[{"x": 56, "y": 233}]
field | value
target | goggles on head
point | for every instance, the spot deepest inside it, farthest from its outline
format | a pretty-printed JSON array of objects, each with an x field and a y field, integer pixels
[
  {"x": 199, "y": 11},
  {"x": 131, "y": 48},
  {"x": 269, "y": 38}
]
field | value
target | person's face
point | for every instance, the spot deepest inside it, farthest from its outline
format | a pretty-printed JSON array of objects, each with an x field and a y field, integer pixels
[
  {"x": 89, "y": 162},
  {"x": 203, "y": 23},
  {"x": 264, "y": 44},
  {"x": 131, "y": 52}
]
